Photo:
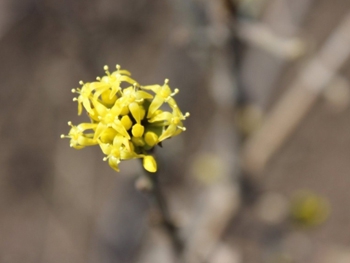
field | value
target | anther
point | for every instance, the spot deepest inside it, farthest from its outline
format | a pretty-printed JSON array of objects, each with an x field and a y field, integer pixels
[
  {"x": 117, "y": 66},
  {"x": 105, "y": 67},
  {"x": 75, "y": 99},
  {"x": 73, "y": 90},
  {"x": 81, "y": 82},
  {"x": 63, "y": 136},
  {"x": 166, "y": 81},
  {"x": 187, "y": 114},
  {"x": 70, "y": 123}
]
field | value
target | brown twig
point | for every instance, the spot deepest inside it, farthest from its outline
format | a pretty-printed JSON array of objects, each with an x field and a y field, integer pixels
[{"x": 158, "y": 200}]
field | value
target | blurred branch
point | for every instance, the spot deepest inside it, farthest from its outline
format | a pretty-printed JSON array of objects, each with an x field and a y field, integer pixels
[
  {"x": 150, "y": 183},
  {"x": 299, "y": 98},
  {"x": 262, "y": 36},
  {"x": 337, "y": 93},
  {"x": 221, "y": 204},
  {"x": 270, "y": 50}
]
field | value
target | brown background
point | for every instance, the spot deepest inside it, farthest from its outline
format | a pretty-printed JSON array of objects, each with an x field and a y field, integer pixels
[{"x": 62, "y": 205}]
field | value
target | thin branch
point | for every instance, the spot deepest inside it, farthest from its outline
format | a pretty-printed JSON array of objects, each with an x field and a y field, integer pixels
[{"x": 159, "y": 202}]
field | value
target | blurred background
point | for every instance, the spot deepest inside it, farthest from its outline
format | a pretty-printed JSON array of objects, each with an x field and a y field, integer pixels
[{"x": 260, "y": 175}]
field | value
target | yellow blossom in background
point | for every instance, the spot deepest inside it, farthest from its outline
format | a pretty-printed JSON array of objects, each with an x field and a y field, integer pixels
[
  {"x": 309, "y": 208},
  {"x": 127, "y": 119}
]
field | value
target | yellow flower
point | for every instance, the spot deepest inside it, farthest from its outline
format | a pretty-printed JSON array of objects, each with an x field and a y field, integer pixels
[
  {"x": 127, "y": 121},
  {"x": 163, "y": 94},
  {"x": 78, "y": 139},
  {"x": 173, "y": 122}
]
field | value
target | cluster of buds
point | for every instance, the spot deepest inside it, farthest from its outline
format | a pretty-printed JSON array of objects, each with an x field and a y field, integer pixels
[{"x": 127, "y": 120}]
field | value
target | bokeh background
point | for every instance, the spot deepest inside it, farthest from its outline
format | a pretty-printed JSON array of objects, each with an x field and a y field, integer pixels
[{"x": 260, "y": 175}]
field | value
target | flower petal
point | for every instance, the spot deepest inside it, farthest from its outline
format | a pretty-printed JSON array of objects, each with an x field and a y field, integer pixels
[
  {"x": 155, "y": 104},
  {"x": 150, "y": 164},
  {"x": 168, "y": 132},
  {"x": 164, "y": 116}
]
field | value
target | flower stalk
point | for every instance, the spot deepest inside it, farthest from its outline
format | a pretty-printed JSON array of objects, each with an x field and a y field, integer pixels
[{"x": 165, "y": 220}]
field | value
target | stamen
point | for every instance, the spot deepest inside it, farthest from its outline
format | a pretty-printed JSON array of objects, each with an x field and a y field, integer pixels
[
  {"x": 166, "y": 81},
  {"x": 118, "y": 67},
  {"x": 175, "y": 92},
  {"x": 81, "y": 82}
]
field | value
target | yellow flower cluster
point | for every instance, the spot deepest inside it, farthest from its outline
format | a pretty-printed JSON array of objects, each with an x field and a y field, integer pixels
[{"x": 127, "y": 119}]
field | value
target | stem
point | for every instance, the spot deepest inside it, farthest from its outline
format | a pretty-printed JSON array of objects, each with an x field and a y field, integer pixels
[
  {"x": 166, "y": 220},
  {"x": 154, "y": 190}
]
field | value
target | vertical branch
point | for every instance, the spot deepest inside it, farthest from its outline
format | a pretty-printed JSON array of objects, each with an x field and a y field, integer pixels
[
  {"x": 166, "y": 220},
  {"x": 159, "y": 202}
]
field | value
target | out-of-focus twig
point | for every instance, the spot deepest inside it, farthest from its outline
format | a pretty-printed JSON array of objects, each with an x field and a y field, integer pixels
[
  {"x": 280, "y": 24},
  {"x": 299, "y": 98},
  {"x": 262, "y": 36},
  {"x": 165, "y": 219},
  {"x": 337, "y": 93}
]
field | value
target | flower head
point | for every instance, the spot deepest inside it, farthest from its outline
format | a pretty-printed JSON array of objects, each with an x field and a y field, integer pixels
[{"x": 127, "y": 119}]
